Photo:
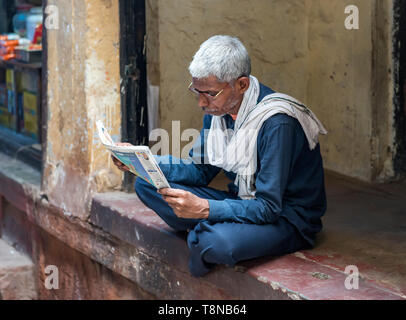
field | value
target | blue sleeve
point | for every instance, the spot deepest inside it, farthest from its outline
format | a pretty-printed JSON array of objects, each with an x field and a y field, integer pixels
[
  {"x": 195, "y": 171},
  {"x": 276, "y": 150}
]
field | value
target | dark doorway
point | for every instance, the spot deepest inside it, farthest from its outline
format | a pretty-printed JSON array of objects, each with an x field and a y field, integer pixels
[
  {"x": 400, "y": 87},
  {"x": 133, "y": 75}
]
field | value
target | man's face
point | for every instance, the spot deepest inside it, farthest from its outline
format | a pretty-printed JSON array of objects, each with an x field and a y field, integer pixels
[{"x": 218, "y": 98}]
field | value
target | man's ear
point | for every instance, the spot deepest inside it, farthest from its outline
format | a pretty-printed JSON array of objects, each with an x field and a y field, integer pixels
[{"x": 243, "y": 84}]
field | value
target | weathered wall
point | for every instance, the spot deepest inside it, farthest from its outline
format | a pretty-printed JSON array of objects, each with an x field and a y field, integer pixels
[
  {"x": 339, "y": 87},
  {"x": 302, "y": 48},
  {"x": 79, "y": 277},
  {"x": 152, "y": 44},
  {"x": 83, "y": 86}
]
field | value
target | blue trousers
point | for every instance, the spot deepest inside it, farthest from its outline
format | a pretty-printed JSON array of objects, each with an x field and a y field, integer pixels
[{"x": 226, "y": 242}]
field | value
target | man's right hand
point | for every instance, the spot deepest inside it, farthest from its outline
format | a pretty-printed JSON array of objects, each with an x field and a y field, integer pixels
[{"x": 121, "y": 166}]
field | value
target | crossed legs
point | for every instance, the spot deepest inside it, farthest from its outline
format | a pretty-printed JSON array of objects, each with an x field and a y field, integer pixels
[{"x": 221, "y": 243}]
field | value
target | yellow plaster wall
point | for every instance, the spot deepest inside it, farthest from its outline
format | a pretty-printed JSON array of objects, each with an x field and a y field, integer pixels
[{"x": 299, "y": 47}]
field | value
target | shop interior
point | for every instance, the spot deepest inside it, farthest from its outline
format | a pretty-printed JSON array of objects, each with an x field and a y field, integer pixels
[{"x": 21, "y": 71}]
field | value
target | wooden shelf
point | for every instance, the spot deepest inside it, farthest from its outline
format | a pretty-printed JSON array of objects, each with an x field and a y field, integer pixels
[{"x": 18, "y": 65}]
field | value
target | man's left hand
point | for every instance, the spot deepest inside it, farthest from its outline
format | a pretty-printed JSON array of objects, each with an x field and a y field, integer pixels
[{"x": 185, "y": 204}]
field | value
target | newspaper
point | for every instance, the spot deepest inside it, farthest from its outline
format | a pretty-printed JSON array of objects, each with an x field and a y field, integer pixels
[{"x": 139, "y": 159}]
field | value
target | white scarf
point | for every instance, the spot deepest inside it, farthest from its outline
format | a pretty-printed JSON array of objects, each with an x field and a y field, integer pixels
[{"x": 236, "y": 150}]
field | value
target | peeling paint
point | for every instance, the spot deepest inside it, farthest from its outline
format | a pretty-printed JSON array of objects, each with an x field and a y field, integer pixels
[
  {"x": 262, "y": 279},
  {"x": 102, "y": 98},
  {"x": 74, "y": 161},
  {"x": 275, "y": 285},
  {"x": 134, "y": 260},
  {"x": 320, "y": 275},
  {"x": 294, "y": 296},
  {"x": 300, "y": 255}
]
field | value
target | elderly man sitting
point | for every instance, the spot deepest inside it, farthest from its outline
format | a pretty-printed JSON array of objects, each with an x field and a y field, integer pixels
[{"x": 266, "y": 143}]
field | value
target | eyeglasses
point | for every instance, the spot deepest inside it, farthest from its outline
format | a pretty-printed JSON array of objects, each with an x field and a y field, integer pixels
[{"x": 209, "y": 94}]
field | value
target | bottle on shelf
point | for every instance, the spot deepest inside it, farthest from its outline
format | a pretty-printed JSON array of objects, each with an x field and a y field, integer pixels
[
  {"x": 20, "y": 20},
  {"x": 34, "y": 19}
]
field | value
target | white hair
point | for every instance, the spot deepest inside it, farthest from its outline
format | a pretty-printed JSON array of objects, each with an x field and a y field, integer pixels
[{"x": 222, "y": 56}]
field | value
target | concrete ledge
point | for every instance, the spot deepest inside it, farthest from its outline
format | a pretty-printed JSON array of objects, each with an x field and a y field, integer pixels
[
  {"x": 17, "y": 280},
  {"x": 289, "y": 277}
]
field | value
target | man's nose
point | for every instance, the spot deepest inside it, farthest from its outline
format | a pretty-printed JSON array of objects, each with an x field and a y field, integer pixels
[{"x": 202, "y": 101}]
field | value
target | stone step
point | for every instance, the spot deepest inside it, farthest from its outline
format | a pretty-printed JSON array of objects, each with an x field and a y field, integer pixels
[{"x": 17, "y": 276}]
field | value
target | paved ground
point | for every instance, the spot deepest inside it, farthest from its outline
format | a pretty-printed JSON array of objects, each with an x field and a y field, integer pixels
[
  {"x": 365, "y": 226},
  {"x": 16, "y": 275}
]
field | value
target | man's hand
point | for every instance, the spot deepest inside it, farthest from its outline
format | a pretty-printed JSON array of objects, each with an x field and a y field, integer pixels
[
  {"x": 185, "y": 204},
  {"x": 121, "y": 166}
]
